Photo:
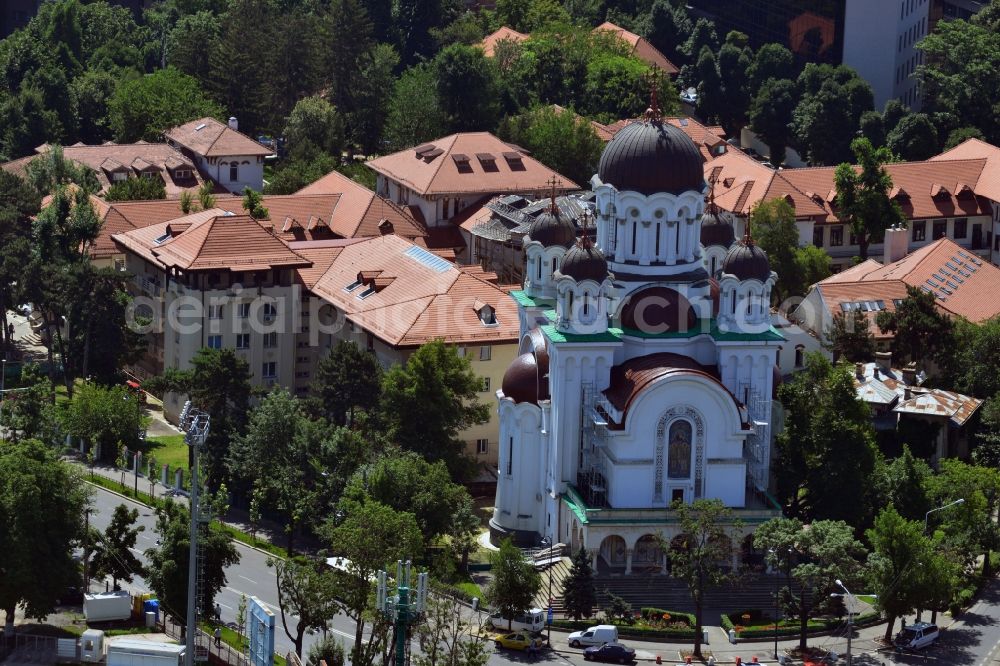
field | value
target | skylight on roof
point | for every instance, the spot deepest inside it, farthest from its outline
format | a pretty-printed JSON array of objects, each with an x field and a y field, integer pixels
[
  {"x": 351, "y": 287},
  {"x": 162, "y": 239},
  {"x": 200, "y": 127},
  {"x": 428, "y": 259}
]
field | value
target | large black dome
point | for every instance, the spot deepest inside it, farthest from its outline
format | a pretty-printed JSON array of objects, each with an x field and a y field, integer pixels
[
  {"x": 584, "y": 262},
  {"x": 747, "y": 261},
  {"x": 716, "y": 229},
  {"x": 553, "y": 228},
  {"x": 650, "y": 157},
  {"x": 520, "y": 381}
]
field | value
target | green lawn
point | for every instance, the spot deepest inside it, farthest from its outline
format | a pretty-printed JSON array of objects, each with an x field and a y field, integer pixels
[
  {"x": 867, "y": 599},
  {"x": 168, "y": 450}
]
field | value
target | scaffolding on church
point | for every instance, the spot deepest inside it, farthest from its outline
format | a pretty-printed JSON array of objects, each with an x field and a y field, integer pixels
[
  {"x": 591, "y": 479},
  {"x": 757, "y": 448}
]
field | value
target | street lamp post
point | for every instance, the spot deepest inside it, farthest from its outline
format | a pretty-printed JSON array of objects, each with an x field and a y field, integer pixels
[
  {"x": 777, "y": 574},
  {"x": 850, "y": 615},
  {"x": 547, "y": 542},
  {"x": 927, "y": 515}
]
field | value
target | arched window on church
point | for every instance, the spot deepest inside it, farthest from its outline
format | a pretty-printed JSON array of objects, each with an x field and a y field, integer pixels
[
  {"x": 586, "y": 304},
  {"x": 679, "y": 450},
  {"x": 539, "y": 269}
]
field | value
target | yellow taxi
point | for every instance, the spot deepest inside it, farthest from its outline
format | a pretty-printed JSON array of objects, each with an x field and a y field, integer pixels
[{"x": 519, "y": 640}]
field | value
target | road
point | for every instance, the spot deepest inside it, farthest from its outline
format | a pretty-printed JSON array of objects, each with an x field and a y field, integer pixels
[
  {"x": 251, "y": 577},
  {"x": 974, "y": 640}
]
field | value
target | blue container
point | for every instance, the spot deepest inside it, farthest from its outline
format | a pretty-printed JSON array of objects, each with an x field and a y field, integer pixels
[{"x": 152, "y": 606}]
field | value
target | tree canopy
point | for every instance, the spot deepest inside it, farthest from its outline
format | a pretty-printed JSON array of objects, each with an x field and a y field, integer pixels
[{"x": 863, "y": 195}]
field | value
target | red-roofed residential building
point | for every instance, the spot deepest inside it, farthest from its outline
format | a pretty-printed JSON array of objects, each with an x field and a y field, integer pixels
[
  {"x": 283, "y": 303},
  {"x": 963, "y": 284},
  {"x": 504, "y": 34},
  {"x": 941, "y": 198},
  {"x": 443, "y": 177},
  {"x": 221, "y": 152},
  {"x": 988, "y": 185}
]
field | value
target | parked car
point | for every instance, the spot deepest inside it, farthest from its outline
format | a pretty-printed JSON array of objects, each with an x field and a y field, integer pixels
[
  {"x": 599, "y": 635},
  {"x": 519, "y": 640},
  {"x": 610, "y": 653},
  {"x": 917, "y": 636}
]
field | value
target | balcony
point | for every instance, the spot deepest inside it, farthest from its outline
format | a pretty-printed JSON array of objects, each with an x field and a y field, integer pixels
[{"x": 147, "y": 285}]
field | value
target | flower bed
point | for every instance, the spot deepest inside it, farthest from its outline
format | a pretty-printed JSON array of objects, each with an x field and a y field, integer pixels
[
  {"x": 761, "y": 625},
  {"x": 651, "y": 623}
]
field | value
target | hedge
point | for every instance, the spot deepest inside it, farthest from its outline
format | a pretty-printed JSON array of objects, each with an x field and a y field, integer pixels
[
  {"x": 629, "y": 631},
  {"x": 679, "y": 616},
  {"x": 813, "y": 626}
]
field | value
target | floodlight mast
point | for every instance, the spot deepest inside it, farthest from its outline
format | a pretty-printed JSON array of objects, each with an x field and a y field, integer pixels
[{"x": 195, "y": 423}]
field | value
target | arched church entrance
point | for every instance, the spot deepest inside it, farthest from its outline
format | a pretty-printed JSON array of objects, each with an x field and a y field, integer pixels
[
  {"x": 648, "y": 556},
  {"x": 614, "y": 551}
]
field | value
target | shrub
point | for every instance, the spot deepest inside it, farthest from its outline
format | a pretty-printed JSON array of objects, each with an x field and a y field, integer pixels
[{"x": 328, "y": 649}]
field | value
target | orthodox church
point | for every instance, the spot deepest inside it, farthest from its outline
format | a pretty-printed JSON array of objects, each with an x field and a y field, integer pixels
[{"x": 646, "y": 365}]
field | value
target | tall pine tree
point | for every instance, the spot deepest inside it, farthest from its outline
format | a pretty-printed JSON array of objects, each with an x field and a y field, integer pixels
[{"x": 579, "y": 594}]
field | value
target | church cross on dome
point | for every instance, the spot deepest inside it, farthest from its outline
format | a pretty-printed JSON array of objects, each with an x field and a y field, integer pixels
[
  {"x": 552, "y": 182},
  {"x": 585, "y": 241},
  {"x": 653, "y": 113}
]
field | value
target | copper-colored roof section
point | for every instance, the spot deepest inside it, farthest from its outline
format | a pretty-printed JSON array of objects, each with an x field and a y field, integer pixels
[
  {"x": 360, "y": 212},
  {"x": 211, "y": 138},
  {"x": 442, "y": 175},
  {"x": 490, "y": 42},
  {"x": 956, "y": 407},
  {"x": 988, "y": 183},
  {"x": 117, "y": 157},
  {"x": 964, "y": 285},
  {"x": 143, "y": 240},
  {"x": 632, "y": 377},
  {"x": 641, "y": 48},
  {"x": 742, "y": 182},
  {"x": 424, "y": 297}
]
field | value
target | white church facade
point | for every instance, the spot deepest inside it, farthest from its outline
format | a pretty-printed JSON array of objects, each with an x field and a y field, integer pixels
[{"x": 646, "y": 367}]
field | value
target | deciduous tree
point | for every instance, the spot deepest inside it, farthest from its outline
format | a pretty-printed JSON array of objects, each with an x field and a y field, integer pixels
[
  {"x": 914, "y": 138},
  {"x": 113, "y": 555},
  {"x": 771, "y": 116},
  {"x": 515, "y": 582},
  {"x": 850, "y": 337},
  {"x": 898, "y": 550},
  {"x": 347, "y": 379},
  {"x": 144, "y": 108},
  {"x": 863, "y": 195},
  {"x": 920, "y": 331},
  {"x": 561, "y": 140},
  {"x": 306, "y": 594}
]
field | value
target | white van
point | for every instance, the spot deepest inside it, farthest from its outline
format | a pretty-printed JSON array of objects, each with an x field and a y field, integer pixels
[
  {"x": 599, "y": 635},
  {"x": 533, "y": 621},
  {"x": 917, "y": 636}
]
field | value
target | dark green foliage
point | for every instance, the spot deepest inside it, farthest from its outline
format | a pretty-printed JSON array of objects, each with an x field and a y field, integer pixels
[
  {"x": 429, "y": 401},
  {"x": 961, "y": 135},
  {"x": 827, "y": 445},
  {"x": 914, "y": 138},
  {"x": 348, "y": 379},
  {"x": 42, "y": 500},
  {"x": 515, "y": 581},
  {"x": 921, "y": 332},
  {"x": 137, "y": 189},
  {"x": 701, "y": 35},
  {"x": 307, "y": 595},
  {"x": 415, "y": 114},
  {"x": 144, "y": 108},
  {"x": 772, "y": 61},
  {"x": 560, "y": 140},
  {"x": 850, "y": 337},
  {"x": 771, "y": 115},
  {"x": 167, "y": 569},
  {"x": 579, "y": 594},
  {"x": 463, "y": 75},
  {"x": 328, "y": 649},
  {"x": 617, "y": 610},
  {"x": 831, "y": 104},
  {"x": 113, "y": 554},
  {"x": 91, "y": 93},
  {"x": 107, "y": 419},
  {"x": 294, "y": 174},
  {"x": 734, "y": 62},
  {"x": 903, "y": 482},
  {"x": 776, "y": 231},
  {"x": 666, "y": 27},
  {"x": 863, "y": 194},
  {"x": 191, "y": 41},
  {"x": 872, "y": 127}
]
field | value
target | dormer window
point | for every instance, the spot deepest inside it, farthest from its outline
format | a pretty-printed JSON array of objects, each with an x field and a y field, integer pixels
[
  {"x": 462, "y": 162},
  {"x": 487, "y": 315}
]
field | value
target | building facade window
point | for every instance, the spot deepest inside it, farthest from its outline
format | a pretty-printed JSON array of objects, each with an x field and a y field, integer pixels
[
  {"x": 939, "y": 230},
  {"x": 800, "y": 353},
  {"x": 818, "y": 236},
  {"x": 836, "y": 236},
  {"x": 215, "y": 312},
  {"x": 271, "y": 340},
  {"x": 269, "y": 370},
  {"x": 961, "y": 227},
  {"x": 486, "y": 384},
  {"x": 482, "y": 447},
  {"x": 243, "y": 310},
  {"x": 919, "y": 231},
  {"x": 234, "y": 172},
  {"x": 243, "y": 341},
  {"x": 215, "y": 342},
  {"x": 485, "y": 353}
]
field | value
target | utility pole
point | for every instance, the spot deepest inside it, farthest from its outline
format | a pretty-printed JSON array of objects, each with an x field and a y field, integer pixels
[
  {"x": 403, "y": 612},
  {"x": 196, "y": 423},
  {"x": 851, "y": 600}
]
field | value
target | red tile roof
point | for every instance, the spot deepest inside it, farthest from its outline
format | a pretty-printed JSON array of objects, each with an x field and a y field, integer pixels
[
  {"x": 965, "y": 286},
  {"x": 489, "y": 43},
  {"x": 742, "y": 182},
  {"x": 213, "y": 241},
  {"x": 211, "y": 138},
  {"x": 988, "y": 184},
  {"x": 123, "y": 157},
  {"x": 360, "y": 212},
  {"x": 450, "y": 165},
  {"x": 417, "y": 296},
  {"x": 641, "y": 48}
]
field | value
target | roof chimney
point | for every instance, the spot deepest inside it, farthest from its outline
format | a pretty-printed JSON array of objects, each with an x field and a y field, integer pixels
[
  {"x": 233, "y": 123},
  {"x": 859, "y": 371},
  {"x": 910, "y": 374},
  {"x": 897, "y": 244},
  {"x": 884, "y": 361}
]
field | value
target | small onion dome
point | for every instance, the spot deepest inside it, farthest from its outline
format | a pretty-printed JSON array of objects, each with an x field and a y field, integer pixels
[
  {"x": 520, "y": 381},
  {"x": 716, "y": 229},
  {"x": 747, "y": 261},
  {"x": 583, "y": 261},
  {"x": 552, "y": 227},
  {"x": 652, "y": 156},
  {"x": 776, "y": 381}
]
